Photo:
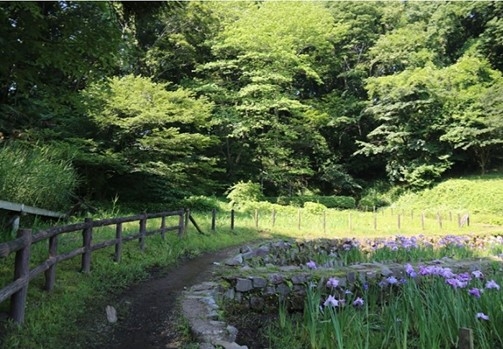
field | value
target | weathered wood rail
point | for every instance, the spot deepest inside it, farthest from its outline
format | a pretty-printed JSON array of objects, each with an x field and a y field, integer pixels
[
  {"x": 21, "y": 246},
  {"x": 21, "y": 209}
]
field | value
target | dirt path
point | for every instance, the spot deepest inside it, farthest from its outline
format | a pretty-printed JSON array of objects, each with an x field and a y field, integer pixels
[{"x": 150, "y": 321}]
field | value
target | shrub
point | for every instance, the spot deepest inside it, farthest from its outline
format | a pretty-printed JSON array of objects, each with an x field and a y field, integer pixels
[
  {"x": 243, "y": 192},
  {"x": 314, "y": 207},
  {"x": 339, "y": 202},
  {"x": 201, "y": 203}
]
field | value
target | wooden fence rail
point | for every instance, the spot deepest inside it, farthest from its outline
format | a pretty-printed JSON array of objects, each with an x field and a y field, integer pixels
[
  {"x": 20, "y": 209},
  {"x": 21, "y": 246}
]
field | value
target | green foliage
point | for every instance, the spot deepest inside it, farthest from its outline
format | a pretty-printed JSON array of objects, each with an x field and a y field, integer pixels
[
  {"x": 373, "y": 199},
  {"x": 314, "y": 207},
  {"x": 37, "y": 176},
  {"x": 243, "y": 192},
  {"x": 339, "y": 202},
  {"x": 313, "y": 95},
  {"x": 202, "y": 203},
  {"x": 154, "y": 134},
  {"x": 50, "y": 51},
  {"x": 250, "y": 207},
  {"x": 272, "y": 53}
]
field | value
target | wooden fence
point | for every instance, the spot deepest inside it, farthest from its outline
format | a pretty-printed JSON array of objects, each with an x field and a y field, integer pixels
[
  {"x": 269, "y": 219},
  {"x": 21, "y": 246}
]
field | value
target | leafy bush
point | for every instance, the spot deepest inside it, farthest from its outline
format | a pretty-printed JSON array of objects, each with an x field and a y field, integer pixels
[
  {"x": 314, "y": 207},
  {"x": 243, "y": 192},
  {"x": 201, "y": 203},
  {"x": 36, "y": 176},
  {"x": 373, "y": 199},
  {"x": 424, "y": 176},
  {"x": 340, "y": 202}
]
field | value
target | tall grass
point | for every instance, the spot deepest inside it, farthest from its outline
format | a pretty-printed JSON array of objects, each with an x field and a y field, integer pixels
[
  {"x": 37, "y": 176},
  {"x": 303, "y": 224}
]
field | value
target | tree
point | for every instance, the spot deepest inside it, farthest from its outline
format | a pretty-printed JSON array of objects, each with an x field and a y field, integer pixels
[
  {"x": 149, "y": 134},
  {"x": 265, "y": 64},
  {"x": 50, "y": 51},
  {"x": 473, "y": 100},
  {"x": 410, "y": 123}
]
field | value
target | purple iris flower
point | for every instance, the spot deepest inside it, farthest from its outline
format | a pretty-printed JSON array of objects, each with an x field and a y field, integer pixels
[
  {"x": 409, "y": 269},
  {"x": 447, "y": 273},
  {"x": 477, "y": 274},
  {"x": 491, "y": 284},
  {"x": 311, "y": 265},
  {"x": 465, "y": 277},
  {"x": 474, "y": 292},
  {"x": 456, "y": 283},
  {"x": 391, "y": 280},
  {"x": 332, "y": 283},
  {"x": 482, "y": 316},
  {"x": 358, "y": 302},
  {"x": 331, "y": 301}
]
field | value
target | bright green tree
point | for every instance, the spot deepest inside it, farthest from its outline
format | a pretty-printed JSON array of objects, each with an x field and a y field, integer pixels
[
  {"x": 473, "y": 93},
  {"x": 266, "y": 61},
  {"x": 150, "y": 137}
]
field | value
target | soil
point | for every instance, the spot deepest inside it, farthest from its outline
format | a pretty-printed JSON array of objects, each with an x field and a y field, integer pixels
[{"x": 148, "y": 313}]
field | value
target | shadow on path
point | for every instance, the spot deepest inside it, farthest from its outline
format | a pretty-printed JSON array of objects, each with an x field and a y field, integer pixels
[{"x": 151, "y": 319}]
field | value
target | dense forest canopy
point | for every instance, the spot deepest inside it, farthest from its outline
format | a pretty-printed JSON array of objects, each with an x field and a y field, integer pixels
[{"x": 153, "y": 101}]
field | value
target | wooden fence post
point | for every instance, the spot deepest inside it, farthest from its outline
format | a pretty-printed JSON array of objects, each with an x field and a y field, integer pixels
[
  {"x": 465, "y": 338},
  {"x": 299, "y": 219},
  {"x": 439, "y": 219},
  {"x": 118, "y": 244},
  {"x": 213, "y": 219},
  {"x": 163, "y": 227},
  {"x": 87, "y": 236},
  {"x": 375, "y": 220},
  {"x": 181, "y": 223},
  {"x": 21, "y": 270},
  {"x": 186, "y": 221},
  {"x": 273, "y": 218},
  {"x": 50, "y": 274},
  {"x": 256, "y": 219},
  {"x": 232, "y": 219},
  {"x": 324, "y": 221},
  {"x": 422, "y": 220},
  {"x": 143, "y": 231},
  {"x": 15, "y": 223},
  {"x": 398, "y": 221}
]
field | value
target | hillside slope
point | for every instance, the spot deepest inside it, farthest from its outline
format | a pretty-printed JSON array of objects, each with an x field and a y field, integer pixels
[{"x": 482, "y": 195}]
